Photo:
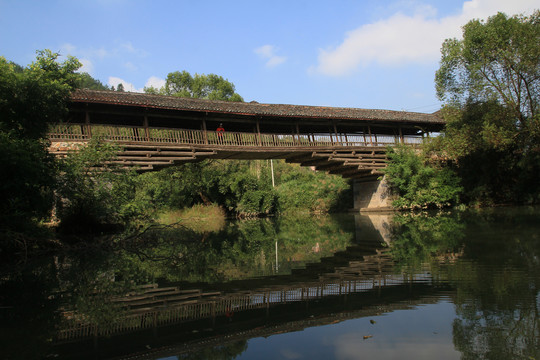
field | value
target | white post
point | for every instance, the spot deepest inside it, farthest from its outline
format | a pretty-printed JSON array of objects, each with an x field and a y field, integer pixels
[
  {"x": 272, "y": 168},
  {"x": 277, "y": 263}
]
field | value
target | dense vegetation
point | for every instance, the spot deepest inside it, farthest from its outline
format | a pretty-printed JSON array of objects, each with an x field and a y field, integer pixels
[
  {"x": 30, "y": 98},
  {"x": 489, "y": 152}
]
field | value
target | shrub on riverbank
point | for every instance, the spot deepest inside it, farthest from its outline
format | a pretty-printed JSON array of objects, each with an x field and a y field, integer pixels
[
  {"x": 244, "y": 188},
  {"x": 420, "y": 183},
  {"x": 305, "y": 190}
]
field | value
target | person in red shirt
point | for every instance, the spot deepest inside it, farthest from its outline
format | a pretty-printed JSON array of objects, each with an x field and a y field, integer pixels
[{"x": 220, "y": 130}]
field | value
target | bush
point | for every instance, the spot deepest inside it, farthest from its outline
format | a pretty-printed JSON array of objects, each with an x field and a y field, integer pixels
[{"x": 420, "y": 184}]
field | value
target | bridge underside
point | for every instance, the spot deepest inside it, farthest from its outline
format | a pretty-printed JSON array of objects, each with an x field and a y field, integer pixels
[{"x": 349, "y": 162}]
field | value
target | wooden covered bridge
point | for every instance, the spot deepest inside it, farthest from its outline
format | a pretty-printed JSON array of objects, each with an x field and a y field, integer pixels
[{"x": 154, "y": 131}]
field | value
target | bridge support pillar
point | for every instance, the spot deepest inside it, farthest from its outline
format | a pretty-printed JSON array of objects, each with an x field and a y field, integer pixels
[{"x": 372, "y": 194}]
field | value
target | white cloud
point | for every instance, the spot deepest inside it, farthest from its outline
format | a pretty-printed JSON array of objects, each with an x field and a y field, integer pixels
[
  {"x": 268, "y": 52},
  {"x": 87, "y": 66},
  {"x": 156, "y": 82},
  {"x": 152, "y": 81},
  {"x": 401, "y": 39},
  {"x": 114, "y": 81}
]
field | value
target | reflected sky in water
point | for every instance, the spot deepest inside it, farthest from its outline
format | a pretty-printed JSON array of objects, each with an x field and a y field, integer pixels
[{"x": 420, "y": 333}]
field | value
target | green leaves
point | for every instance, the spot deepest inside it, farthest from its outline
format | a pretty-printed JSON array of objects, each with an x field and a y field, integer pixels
[
  {"x": 497, "y": 60},
  {"x": 200, "y": 86},
  {"x": 490, "y": 81},
  {"x": 30, "y": 99},
  {"x": 419, "y": 184}
]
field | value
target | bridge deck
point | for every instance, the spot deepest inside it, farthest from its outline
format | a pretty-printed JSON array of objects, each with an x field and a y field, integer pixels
[{"x": 155, "y": 148}]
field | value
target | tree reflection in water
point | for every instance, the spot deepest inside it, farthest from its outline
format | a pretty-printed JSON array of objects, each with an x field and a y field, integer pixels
[{"x": 492, "y": 260}]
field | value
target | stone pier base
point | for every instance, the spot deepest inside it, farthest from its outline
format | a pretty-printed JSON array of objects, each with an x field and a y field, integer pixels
[{"x": 372, "y": 195}]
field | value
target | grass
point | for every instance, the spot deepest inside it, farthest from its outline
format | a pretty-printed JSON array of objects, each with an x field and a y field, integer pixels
[{"x": 199, "y": 218}]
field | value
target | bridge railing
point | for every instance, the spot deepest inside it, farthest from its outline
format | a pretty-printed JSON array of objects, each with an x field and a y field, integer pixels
[{"x": 71, "y": 132}]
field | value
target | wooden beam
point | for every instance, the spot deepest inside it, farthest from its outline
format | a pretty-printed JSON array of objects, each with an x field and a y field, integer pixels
[
  {"x": 156, "y": 158},
  {"x": 166, "y": 153}
]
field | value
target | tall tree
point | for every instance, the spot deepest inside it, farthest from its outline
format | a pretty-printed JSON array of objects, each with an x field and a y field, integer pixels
[
  {"x": 497, "y": 60},
  {"x": 211, "y": 86},
  {"x": 490, "y": 81},
  {"x": 30, "y": 99}
]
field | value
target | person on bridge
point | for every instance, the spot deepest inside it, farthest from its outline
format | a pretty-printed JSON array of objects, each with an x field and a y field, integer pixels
[{"x": 220, "y": 131}]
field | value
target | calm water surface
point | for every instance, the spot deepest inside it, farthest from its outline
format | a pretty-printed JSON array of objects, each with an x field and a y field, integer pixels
[{"x": 455, "y": 285}]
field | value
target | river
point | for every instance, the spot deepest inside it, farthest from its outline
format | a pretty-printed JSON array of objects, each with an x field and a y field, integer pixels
[{"x": 447, "y": 285}]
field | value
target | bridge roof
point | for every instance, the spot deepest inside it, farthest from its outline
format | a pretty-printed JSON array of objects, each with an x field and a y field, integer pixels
[{"x": 249, "y": 108}]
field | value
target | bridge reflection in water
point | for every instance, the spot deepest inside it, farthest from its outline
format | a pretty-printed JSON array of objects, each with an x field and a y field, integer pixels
[{"x": 360, "y": 281}]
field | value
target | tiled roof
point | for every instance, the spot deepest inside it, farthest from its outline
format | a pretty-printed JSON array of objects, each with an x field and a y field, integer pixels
[{"x": 247, "y": 108}]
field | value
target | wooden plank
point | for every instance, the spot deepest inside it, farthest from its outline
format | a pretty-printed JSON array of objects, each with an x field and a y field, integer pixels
[{"x": 159, "y": 158}]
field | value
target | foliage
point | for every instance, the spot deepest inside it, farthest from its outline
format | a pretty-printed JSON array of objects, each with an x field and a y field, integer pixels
[
  {"x": 85, "y": 81},
  {"x": 92, "y": 192},
  {"x": 418, "y": 183},
  {"x": 496, "y": 60},
  {"x": 36, "y": 96},
  {"x": 302, "y": 189},
  {"x": 237, "y": 186},
  {"x": 211, "y": 86},
  {"x": 26, "y": 181},
  {"x": 491, "y": 83},
  {"x": 30, "y": 99},
  {"x": 244, "y": 188}
]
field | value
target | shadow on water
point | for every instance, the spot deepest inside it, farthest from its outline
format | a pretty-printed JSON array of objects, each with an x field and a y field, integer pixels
[{"x": 205, "y": 295}]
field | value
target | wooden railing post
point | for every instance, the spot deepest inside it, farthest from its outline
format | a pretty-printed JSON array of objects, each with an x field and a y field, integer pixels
[{"x": 146, "y": 130}]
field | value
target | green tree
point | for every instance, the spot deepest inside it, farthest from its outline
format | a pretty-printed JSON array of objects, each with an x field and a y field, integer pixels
[
  {"x": 33, "y": 98},
  {"x": 201, "y": 86},
  {"x": 419, "y": 183},
  {"x": 93, "y": 193},
  {"x": 496, "y": 60},
  {"x": 120, "y": 87},
  {"x": 30, "y": 99},
  {"x": 86, "y": 81},
  {"x": 490, "y": 81}
]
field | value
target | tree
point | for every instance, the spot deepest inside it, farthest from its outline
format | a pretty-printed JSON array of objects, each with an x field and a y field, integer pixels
[
  {"x": 86, "y": 81},
  {"x": 120, "y": 87},
  {"x": 211, "y": 86},
  {"x": 490, "y": 81},
  {"x": 36, "y": 96},
  {"x": 30, "y": 99},
  {"x": 420, "y": 184},
  {"x": 499, "y": 61}
]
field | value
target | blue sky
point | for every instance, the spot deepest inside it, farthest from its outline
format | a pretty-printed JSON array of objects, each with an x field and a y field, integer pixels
[{"x": 377, "y": 54}]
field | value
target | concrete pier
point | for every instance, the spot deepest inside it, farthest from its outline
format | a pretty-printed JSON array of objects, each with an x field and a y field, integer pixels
[{"x": 372, "y": 194}]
